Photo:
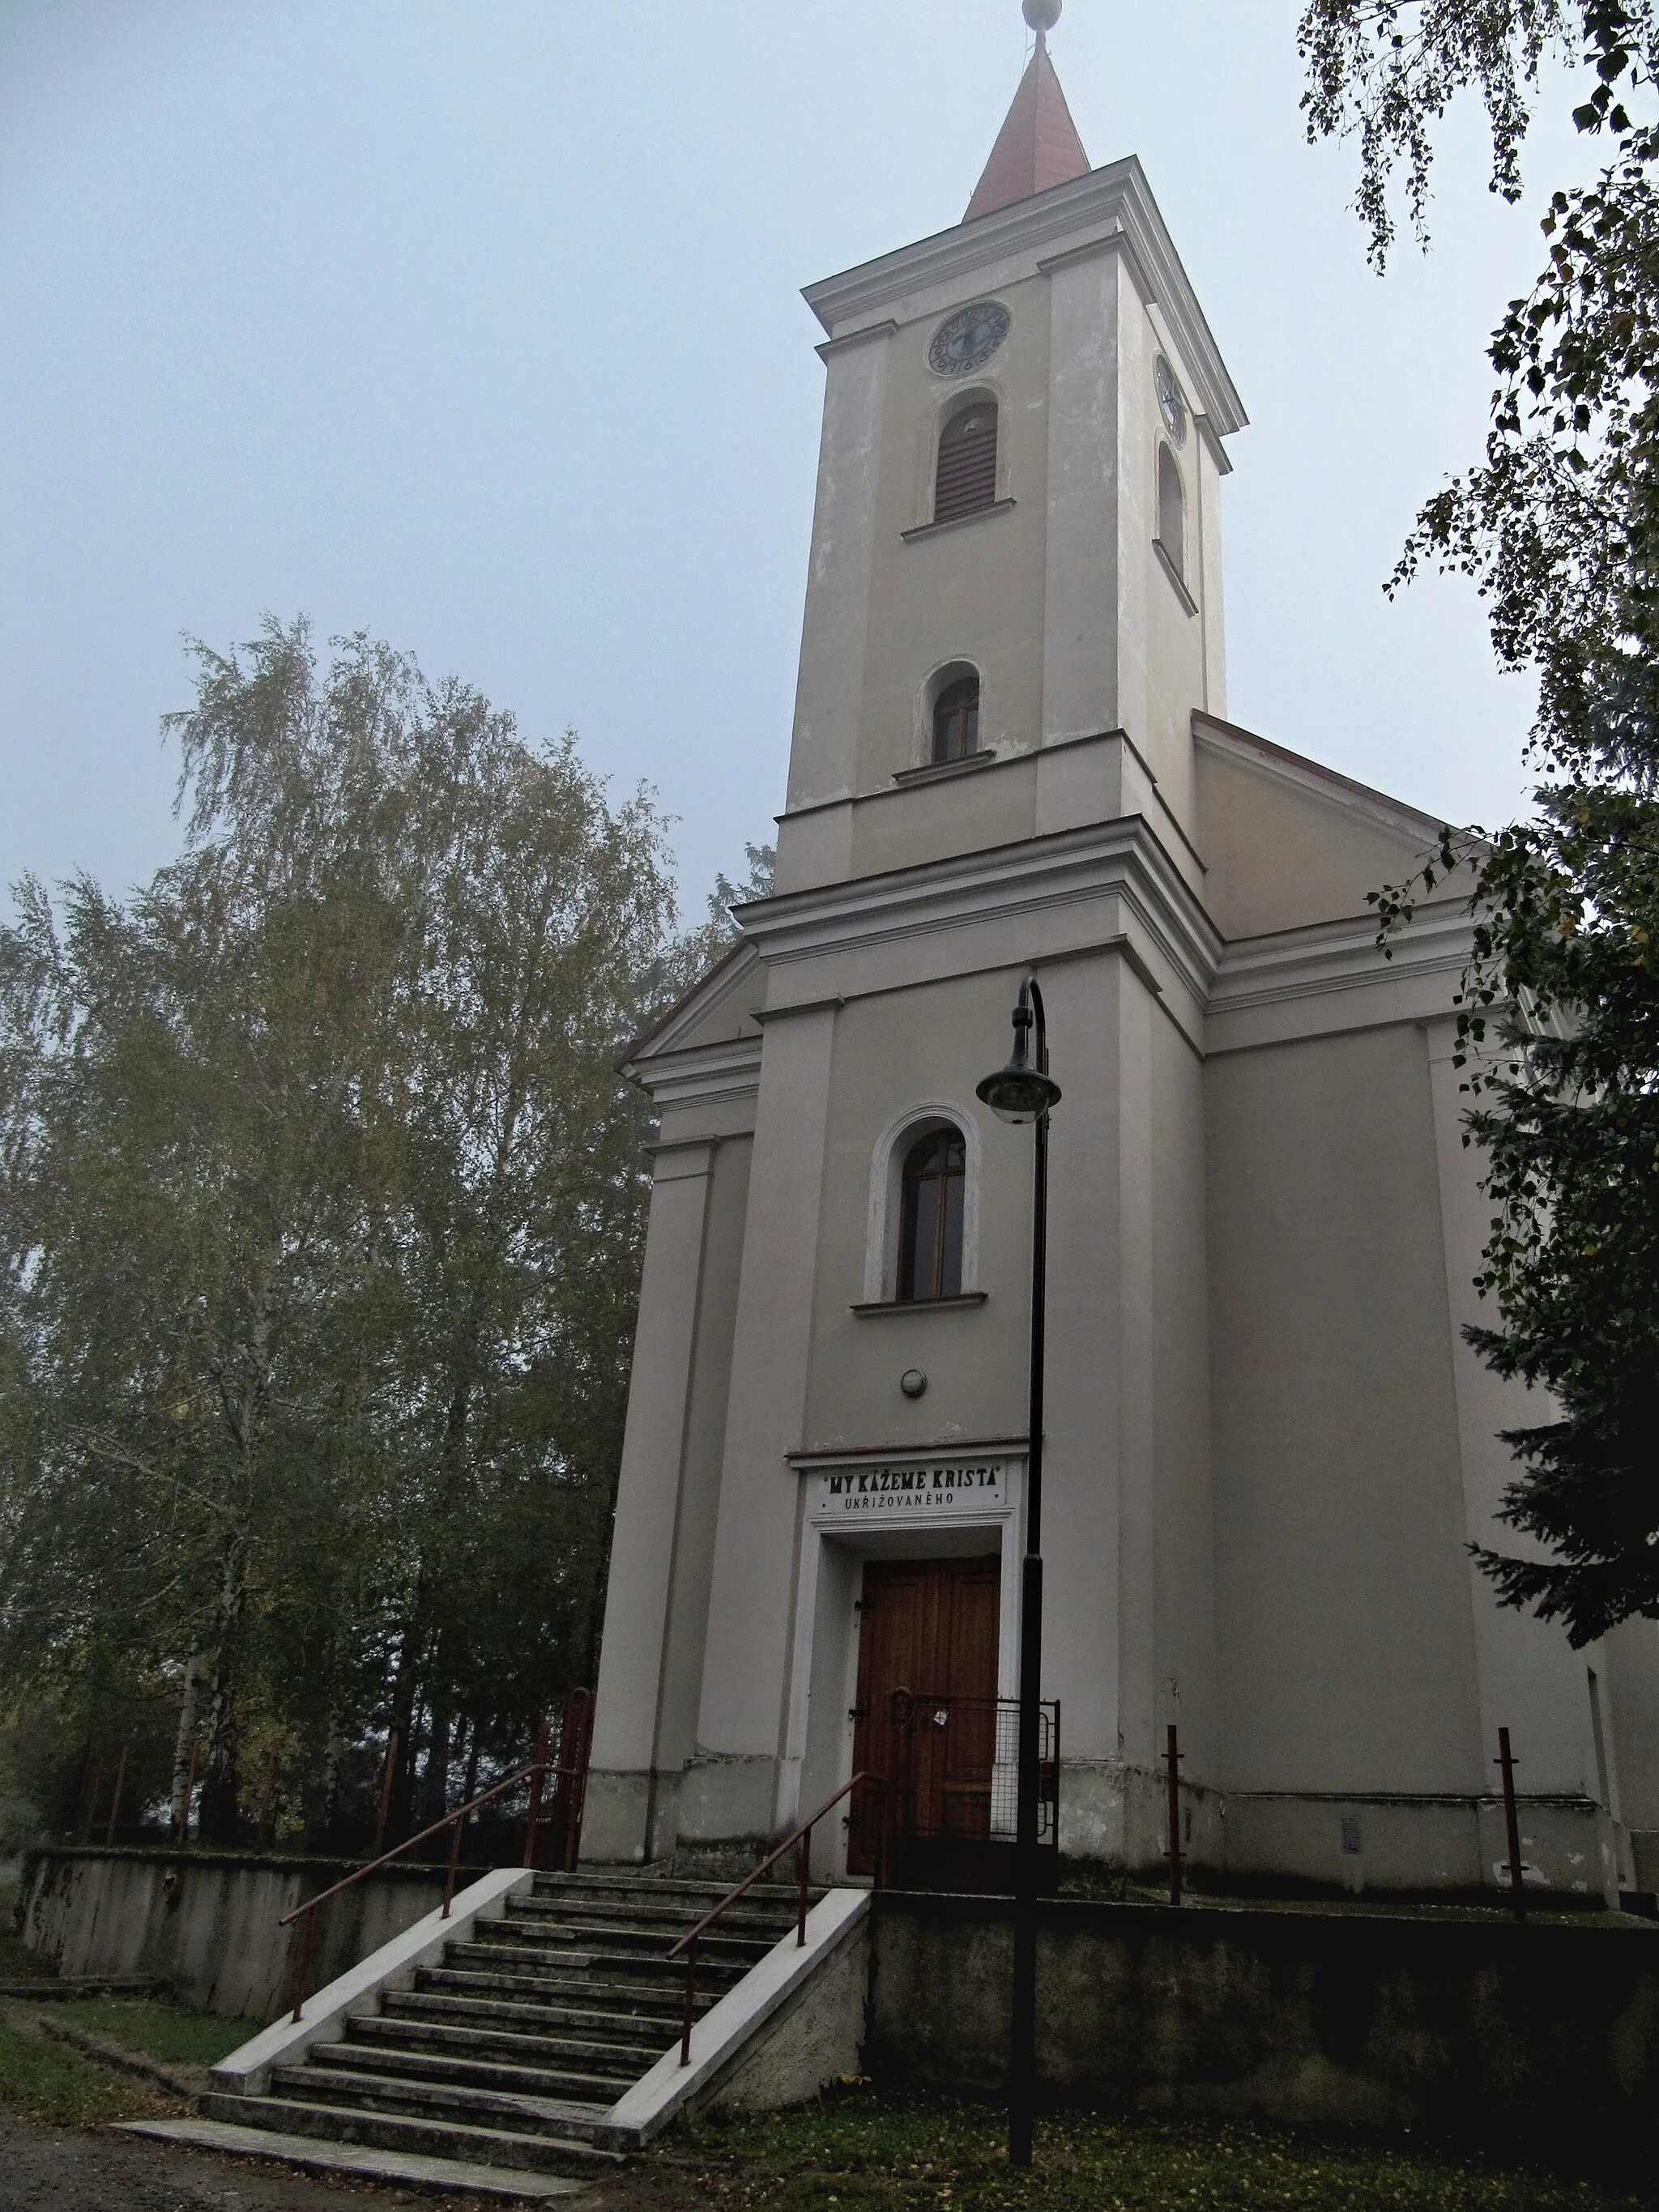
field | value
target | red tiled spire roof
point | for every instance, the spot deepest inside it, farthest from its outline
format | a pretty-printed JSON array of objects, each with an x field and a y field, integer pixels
[{"x": 1037, "y": 146}]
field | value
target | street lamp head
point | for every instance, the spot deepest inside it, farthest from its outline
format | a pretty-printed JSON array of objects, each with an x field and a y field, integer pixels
[{"x": 1020, "y": 1092}]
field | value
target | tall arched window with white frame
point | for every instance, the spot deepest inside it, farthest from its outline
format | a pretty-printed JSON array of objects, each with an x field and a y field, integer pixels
[
  {"x": 932, "y": 1192},
  {"x": 955, "y": 721},
  {"x": 1172, "y": 510},
  {"x": 922, "y": 1241}
]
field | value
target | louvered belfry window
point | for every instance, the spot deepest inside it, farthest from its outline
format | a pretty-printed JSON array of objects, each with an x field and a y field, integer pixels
[{"x": 967, "y": 477}]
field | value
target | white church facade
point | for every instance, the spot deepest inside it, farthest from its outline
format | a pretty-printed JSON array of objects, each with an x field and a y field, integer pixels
[{"x": 1267, "y": 1446}]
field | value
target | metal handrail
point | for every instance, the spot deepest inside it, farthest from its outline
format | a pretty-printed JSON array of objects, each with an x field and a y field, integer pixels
[
  {"x": 803, "y": 1837},
  {"x": 538, "y": 1769}
]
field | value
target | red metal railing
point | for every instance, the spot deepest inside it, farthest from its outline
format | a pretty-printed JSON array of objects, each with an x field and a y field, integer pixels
[
  {"x": 802, "y": 1838},
  {"x": 575, "y": 1732}
]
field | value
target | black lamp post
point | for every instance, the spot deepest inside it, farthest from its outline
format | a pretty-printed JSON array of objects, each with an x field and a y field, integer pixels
[{"x": 1024, "y": 1091}]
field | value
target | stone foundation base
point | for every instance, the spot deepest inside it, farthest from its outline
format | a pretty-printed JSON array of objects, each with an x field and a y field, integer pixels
[{"x": 713, "y": 1821}]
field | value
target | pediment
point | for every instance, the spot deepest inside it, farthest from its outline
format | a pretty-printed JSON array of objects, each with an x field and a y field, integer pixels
[{"x": 717, "y": 1010}]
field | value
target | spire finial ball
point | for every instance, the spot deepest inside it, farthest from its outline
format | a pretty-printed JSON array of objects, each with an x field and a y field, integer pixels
[{"x": 1041, "y": 14}]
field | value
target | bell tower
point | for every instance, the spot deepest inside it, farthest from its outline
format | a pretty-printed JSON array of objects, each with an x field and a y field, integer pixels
[{"x": 1018, "y": 490}]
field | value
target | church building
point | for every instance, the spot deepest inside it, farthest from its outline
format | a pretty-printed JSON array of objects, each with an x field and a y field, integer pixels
[{"x": 1267, "y": 1447}]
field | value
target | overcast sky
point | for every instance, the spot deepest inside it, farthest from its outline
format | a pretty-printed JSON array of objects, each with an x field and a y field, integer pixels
[{"x": 477, "y": 326}]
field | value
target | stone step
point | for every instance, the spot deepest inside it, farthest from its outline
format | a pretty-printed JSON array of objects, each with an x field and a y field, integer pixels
[
  {"x": 419, "y": 2098},
  {"x": 496, "y": 2012},
  {"x": 617, "y": 1966},
  {"x": 466, "y": 2073},
  {"x": 630, "y": 1913},
  {"x": 580, "y": 2082},
  {"x": 499, "y": 2185},
  {"x": 475, "y": 2146},
  {"x": 611, "y": 1942},
  {"x": 703, "y": 1894},
  {"x": 611, "y": 2001},
  {"x": 542, "y": 1999}
]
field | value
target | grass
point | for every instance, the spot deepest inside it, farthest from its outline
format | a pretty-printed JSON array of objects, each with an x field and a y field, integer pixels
[
  {"x": 55, "y": 2083},
  {"x": 48, "y": 2081},
  {"x": 18, "y": 1964},
  {"x": 859, "y": 2152},
  {"x": 166, "y": 2032}
]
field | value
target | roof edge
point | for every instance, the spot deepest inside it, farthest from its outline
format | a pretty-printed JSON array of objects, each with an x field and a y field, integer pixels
[
  {"x": 725, "y": 973},
  {"x": 1283, "y": 756},
  {"x": 1111, "y": 206}
]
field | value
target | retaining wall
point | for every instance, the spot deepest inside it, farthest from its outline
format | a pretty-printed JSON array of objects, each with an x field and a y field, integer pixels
[
  {"x": 1541, "y": 2037},
  {"x": 207, "y": 1922}
]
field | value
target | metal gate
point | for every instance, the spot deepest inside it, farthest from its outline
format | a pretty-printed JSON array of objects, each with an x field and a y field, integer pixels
[{"x": 952, "y": 1799}]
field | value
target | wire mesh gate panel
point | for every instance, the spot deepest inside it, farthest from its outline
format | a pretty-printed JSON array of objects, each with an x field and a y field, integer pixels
[{"x": 951, "y": 1805}]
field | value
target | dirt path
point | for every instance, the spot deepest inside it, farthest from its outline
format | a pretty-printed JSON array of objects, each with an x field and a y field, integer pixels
[{"x": 99, "y": 2170}]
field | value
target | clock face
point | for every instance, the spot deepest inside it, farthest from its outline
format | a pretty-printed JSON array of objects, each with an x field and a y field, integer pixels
[
  {"x": 969, "y": 339},
  {"x": 1171, "y": 400}
]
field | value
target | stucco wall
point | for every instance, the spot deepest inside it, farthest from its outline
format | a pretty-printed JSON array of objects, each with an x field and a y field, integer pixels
[
  {"x": 893, "y": 1053},
  {"x": 1185, "y": 1685},
  {"x": 207, "y": 1922},
  {"x": 1520, "y": 2036},
  {"x": 1287, "y": 847},
  {"x": 817, "y": 2037},
  {"x": 972, "y": 593},
  {"x": 1343, "y": 1595}
]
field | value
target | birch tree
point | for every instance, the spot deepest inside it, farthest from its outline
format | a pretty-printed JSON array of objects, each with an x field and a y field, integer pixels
[{"x": 322, "y": 1214}]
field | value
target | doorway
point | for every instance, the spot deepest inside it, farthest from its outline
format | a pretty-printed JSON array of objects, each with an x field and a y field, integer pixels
[{"x": 927, "y": 1628}]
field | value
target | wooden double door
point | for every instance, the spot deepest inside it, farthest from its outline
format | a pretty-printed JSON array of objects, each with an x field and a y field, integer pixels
[{"x": 927, "y": 1628}]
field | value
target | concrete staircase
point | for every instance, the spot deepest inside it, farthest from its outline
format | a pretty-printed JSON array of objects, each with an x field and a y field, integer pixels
[{"x": 510, "y": 2053}]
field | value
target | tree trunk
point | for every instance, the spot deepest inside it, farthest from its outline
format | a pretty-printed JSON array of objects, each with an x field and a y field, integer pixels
[
  {"x": 184, "y": 1743},
  {"x": 220, "y": 1777},
  {"x": 434, "y": 1780},
  {"x": 472, "y": 1789},
  {"x": 333, "y": 1763},
  {"x": 403, "y": 1689}
]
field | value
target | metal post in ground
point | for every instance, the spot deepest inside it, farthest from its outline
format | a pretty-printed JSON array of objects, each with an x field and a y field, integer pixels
[
  {"x": 458, "y": 1826},
  {"x": 1172, "y": 1797},
  {"x": 1024, "y": 1091},
  {"x": 386, "y": 1780},
  {"x": 1505, "y": 1764},
  {"x": 536, "y": 1773}
]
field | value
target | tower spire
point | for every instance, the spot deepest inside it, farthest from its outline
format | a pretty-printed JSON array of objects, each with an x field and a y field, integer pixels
[{"x": 1037, "y": 146}]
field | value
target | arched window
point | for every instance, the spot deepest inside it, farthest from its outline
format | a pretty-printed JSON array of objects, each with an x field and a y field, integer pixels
[
  {"x": 1172, "y": 510},
  {"x": 956, "y": 720},
  {"x": 966, "y": 479},
  {"x": 933, "y": 1188}
]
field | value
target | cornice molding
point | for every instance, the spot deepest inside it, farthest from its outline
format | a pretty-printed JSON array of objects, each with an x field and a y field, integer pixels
[
  {"x": 813, "y": 1460},
  {"x": 1112, "y": 207},
  {"x": 871, "y": 331},
  {"x": 701, "y": 1075},
  {"x": 1236, "y": 995},
  {"x": 1340, "y": 955},
  {"x": 1121, "y": 859}
]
